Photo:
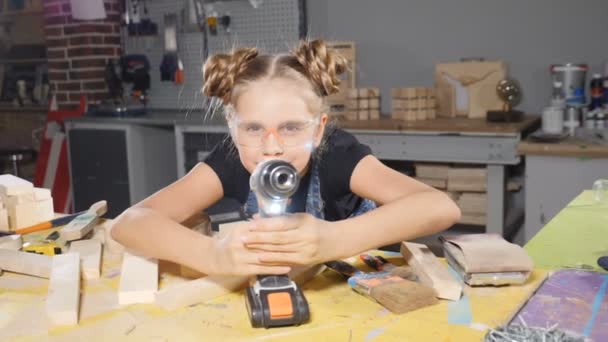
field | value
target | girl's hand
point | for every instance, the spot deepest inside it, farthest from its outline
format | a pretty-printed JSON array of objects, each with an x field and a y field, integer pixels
[
  {"x": 293, "y": 239},
  {"x": 230, "y": 256}
]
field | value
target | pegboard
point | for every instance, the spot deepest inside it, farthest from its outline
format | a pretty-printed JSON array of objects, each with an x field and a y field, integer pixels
[{"x": 275, "y": 26}]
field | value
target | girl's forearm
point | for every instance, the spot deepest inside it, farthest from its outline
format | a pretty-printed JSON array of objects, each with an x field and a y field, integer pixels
[
  {"x": 407, "y": 218},
  {"x": 157, "y": 236}
]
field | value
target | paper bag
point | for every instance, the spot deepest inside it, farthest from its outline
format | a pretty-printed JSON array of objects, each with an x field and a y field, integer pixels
[
  {"x": 488, "y": 253},
  {"x": 468, "y": 89}
]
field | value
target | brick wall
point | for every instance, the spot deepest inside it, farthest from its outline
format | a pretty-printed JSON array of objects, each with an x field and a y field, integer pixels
[{"x": 78, "y": 50}]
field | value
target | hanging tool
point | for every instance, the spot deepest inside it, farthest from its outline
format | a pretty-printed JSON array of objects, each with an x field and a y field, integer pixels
[
  {"x": 212, "y": 23},
  {"x": 225, "y": 22},
  {"x": 275, "y": 300}
]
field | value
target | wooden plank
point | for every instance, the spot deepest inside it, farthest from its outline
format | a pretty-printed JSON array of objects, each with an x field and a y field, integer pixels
[
  {"x": 569, "y": 147},
  {"x": 473, "y": 203},
  {"x": 467, "y": 179},
  {"x": 363, "y": 114},
  {"x": 90, "y": 257},
  {"x": 197, "y": 291},
  {"x": 11, "y": 185},
  {"x": 435, "y": 183},
  {"x": 63, "y": 298},
  {"x": 138, "y": 279},
  {"x": 374, "y": 114},
  {"x": 23, "y": 215},
  {"x": 26, "y": 263},
  {"x": 374, "y": 103},
  {"x": 432, "y": 171},
  {"x": 478, "y": 219},
  {"x": 78, "y": 227},
  {"x": 430, "y": 271},
  {"x": 447, "y": 125}
]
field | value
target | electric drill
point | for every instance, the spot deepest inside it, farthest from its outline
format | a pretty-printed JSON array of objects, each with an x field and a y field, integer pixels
[{"x": 275, "y": 300}]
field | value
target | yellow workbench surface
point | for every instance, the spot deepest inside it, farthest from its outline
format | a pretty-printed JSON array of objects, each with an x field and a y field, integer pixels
[{"x": 337, "y": 313}]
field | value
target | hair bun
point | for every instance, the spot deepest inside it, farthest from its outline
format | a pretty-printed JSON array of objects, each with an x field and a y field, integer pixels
[
  {"x": 321, "y": 64},
  {"x": 221, "y": 71}
]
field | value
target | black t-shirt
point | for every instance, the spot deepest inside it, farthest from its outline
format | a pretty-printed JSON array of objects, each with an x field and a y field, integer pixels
[{"x": 336, "y": 164}]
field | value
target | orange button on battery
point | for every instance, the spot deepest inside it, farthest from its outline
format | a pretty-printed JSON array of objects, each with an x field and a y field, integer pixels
[{"x": 280, "y": 305}]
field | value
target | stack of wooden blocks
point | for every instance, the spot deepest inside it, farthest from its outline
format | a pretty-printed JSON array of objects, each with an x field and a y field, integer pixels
[
  {"x": 23, "y": 205},
  {"x": 337, "y": 103},
  {"x": 363, "y": 104},
  {"x": 465, "y": 185},
  {"x": 413, "y": 104}
]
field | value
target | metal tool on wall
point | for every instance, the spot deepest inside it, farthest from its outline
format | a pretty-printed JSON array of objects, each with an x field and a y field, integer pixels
[{"x": 171, "y": 67}]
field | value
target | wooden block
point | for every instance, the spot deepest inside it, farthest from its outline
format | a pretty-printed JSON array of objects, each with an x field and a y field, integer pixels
[
  {"x": 363, "y": 115},
  {"x": 430, "y": 271},
  {"x": 396, "y": 104},
  {"x": 353, "y": 93},
  {"x": 90, "y": 257},
  {"x": 45, "y": 210},
  {"x": 23, "y": 215},
  {"x": 109, "y": 243},
  {"x": 454, "y": 196},
  {"x": 374, "y": 103},
  {"x": 431, "y": 108},
  {"x": 138, "y": 279},
  {"x": 38, "y": 265},
  {"x": 351, "y": 115},
  {"x": 473, "y": 203},
  {"x": 435, "y": 183},
  {"x": 409, "y": 93},
  {"x": 412, "y": 115},
  {"x": 373, "y": 92},
  {"x": 41, "y": 194},
  {"x": 79, "y": 227},
  {"x": 467, "y": 179},
  {"x": 362, "y": 93},
  {"x": 11, "y": 242},
  {"x": 352, "y": 104},
  {"x": 421, "y": 104},
  {"x": 11, "y": 185},
  {"x": 62, "y": 302},
  {"x": 432, "y": 171},
  {"x": 467, "y": 173},
  {"x": 374, "y": 114},
  {"x": 197, "y": 291},
  {"x": 473, "y": 218},
  {"x": 397, "y": 92},
  {"x": 25, "y": 197},
  {"x": 4, "y": 225},
  {"x": 363, "y": 104}
]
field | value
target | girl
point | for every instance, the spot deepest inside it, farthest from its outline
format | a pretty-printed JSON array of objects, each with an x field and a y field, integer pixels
[{"x": 274, "y": 106}]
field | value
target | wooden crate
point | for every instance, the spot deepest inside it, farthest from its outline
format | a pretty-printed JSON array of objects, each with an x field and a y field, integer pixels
[
  {"x": 337, "y": 103},
  {"x": 467, "y": 179},
  {"x": 412, "y": 104},
  {"x": 365, "y": 102}
]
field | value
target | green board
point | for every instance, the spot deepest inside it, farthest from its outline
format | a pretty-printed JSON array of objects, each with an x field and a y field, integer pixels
[{"x": 574, "y": 238}]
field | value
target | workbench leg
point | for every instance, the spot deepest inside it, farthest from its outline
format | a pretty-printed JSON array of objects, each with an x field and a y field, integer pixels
[{"x": 496, "y": 199}]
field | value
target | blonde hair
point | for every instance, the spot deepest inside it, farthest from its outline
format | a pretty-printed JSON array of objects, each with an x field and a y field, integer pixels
[{"x": 311, "y": 65}]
